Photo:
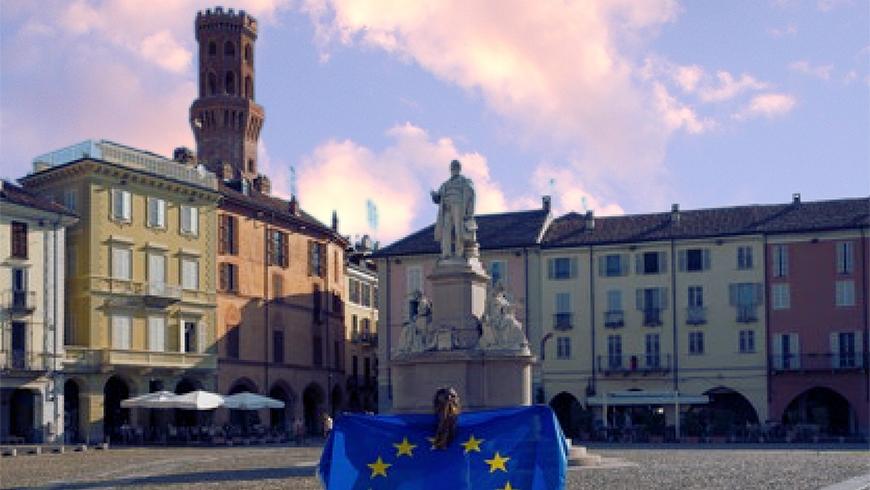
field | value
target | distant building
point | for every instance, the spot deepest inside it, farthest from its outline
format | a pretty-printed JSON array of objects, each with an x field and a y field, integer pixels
[
  {"x": 280, "y": 324},
  {"x": 141, "y": 281},
  {"x": 361, "y": 327},
  {"x": 32, "y": 268}
]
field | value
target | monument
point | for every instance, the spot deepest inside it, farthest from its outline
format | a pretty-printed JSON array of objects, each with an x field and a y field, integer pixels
[{"x": 466, "y": 335}]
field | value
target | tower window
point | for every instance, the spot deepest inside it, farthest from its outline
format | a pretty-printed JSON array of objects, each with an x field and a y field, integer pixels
[
  {"x": 231, "y": 83},
  {"x": 250, "y": 165},
  {"x": 249, "y": 87},
  {"x": 249, "y": 55},
  {"x": 241, "y": 120},
  {"x": 229, "y": 49},
  {"x": 212, "y": 48},
  {"x": 212, "y": 84}
]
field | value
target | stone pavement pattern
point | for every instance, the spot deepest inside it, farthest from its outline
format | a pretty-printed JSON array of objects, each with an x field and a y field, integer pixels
[{"x": 283, "y": 467}]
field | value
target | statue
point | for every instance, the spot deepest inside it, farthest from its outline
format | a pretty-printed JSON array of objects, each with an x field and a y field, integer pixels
[
  {"x": 455, "y": 223},
  {"x": 501, "y": 329},
  {"x": 415, "y": 332},
  {"x": 447, "y": 408}
]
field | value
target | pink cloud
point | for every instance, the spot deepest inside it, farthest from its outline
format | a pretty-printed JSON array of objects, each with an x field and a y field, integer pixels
[{"x": 769, "y": 105}]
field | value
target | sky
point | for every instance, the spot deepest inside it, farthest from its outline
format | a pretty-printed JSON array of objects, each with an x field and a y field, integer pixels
[{"x": 612, "y": 106}]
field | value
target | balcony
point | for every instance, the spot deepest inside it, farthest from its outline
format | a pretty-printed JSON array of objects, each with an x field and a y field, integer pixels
[
  {"x": 643, "y": 364},
  {"x": 365, "y": 338},
  {"x": 652, "y": 317},
  {"x": 747, "y": 313},
  {"x": 81, "y": 358},
  {"x": 819, "y": 362},
  {"x": 614, "y": 318},
  {"x": 696, "y": 315},
  {"x": 159, "y": 294},
  {"x": 19, "y": 360},
  {"x": 19, "y": 302},
  {"x": 562, "y": 321}
]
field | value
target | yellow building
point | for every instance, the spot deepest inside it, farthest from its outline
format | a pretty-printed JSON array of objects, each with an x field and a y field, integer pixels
[
  {"x": 140, "y": 296},
  {"x": 361, "y": 328},
  {"x": 647, "y": 315}
]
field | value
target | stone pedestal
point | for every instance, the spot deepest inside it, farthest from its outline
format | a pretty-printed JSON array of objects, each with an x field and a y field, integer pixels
[
  {"x": 458, "y": 299},
  {"x": 483, "y": 379}
]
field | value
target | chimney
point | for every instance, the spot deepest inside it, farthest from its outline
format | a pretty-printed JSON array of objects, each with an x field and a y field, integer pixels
[
  {"x": 796, "y": 198},
  {"x": 184, "y": 156},
  {"x": 675, "y": 213},
  {"x": 334, "y": 221},
  {"x": 294, "y": 206},
  {"x": 589, "y": 222},
  {"x": 545, "y": 203},
  {"x": 263, "y": 184}
]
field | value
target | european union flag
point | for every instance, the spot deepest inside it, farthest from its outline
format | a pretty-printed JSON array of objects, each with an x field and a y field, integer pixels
[{"x": 519, "y": 448}]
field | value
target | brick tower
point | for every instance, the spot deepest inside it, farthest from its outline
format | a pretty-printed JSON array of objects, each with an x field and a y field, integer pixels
[{"x": 226, "y": 121}]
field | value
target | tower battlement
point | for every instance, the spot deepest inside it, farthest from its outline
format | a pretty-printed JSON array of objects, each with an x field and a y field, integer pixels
[{"x": 230, "y": 19}]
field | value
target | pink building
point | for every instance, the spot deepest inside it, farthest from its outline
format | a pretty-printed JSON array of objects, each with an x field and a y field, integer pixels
[{"x": 816, "y": 273}]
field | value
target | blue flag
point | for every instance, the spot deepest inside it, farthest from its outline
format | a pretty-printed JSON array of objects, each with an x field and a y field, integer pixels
[{"x": 519, "y": 448}]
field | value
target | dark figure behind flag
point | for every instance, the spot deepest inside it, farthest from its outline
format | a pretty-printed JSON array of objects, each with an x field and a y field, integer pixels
[{"x": 519, "y": 448}]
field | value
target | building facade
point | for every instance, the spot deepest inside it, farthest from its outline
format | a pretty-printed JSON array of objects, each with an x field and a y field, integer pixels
[
  {"x": 140, "y": 284},
  {"x": 32, "y": 246},
  {"x": 361, "y": 327}
]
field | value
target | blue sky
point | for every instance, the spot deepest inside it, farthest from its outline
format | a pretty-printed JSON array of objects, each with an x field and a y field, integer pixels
[{"x": 615, "y": 106}]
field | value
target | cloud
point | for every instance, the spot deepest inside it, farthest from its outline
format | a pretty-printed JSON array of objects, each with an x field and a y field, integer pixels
[
  {"x": 828, "y": 5},
  {"x": 688, "y": 77},
  {"x": 789, "y": 29},
  {"x": 678, "y": 115},
  {"x": 728, "y": 87},
  {"x": 821, "y": 71},
  {"x": 568, "y": 191},
  {"x": 769, "y": 105}
]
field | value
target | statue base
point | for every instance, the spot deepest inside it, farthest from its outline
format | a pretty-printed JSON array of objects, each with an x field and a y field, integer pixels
[
  {"x": 483, "y": 379},
  {"x": 458, "y": 299}
]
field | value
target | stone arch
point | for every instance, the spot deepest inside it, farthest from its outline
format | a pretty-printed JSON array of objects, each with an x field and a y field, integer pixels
[
  {"x": 565, "y": 406},
  {"x": 728, "y": 408},
  {"x": 281, "y": 418},
  {"x": 230, "y": 83},
  {"x": 241, "y": 418},
  {"x": 229, "y": 49},
  {"x": 19, "y": 421},
  {"x": 824, "y": 407},
  {"x": 114, "y": 416},
  {"x": 71, "y": 411},
  {"x": 212, "y": 83},
  {"x": 212, "y": 48},
  {"x": 313, "y": 398}
]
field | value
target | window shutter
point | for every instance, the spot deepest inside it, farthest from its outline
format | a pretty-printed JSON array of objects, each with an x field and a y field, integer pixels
[
  {"x": 639, "y": 299},
  {"x": 732, "y": 294},
  {"x": 152, "y": 211},
  {"x": 222, "y": 234},
  {"x": 310, "y": 258},
  {"x": 602, "y": 265},
  {"x": 705, "y": 256},
  {"x": 859, "y": 348},
  {"x": 222, "y": 277},
  {"x": 200, "y": 337},
  {"x": 835, "y": 349},
  {"x": 638, "y": 263},
  {"x": 682, "y": 256},
  {"x": 116, "y": 203},
  {"x": 285, "y": 257},
  {"x": 234, "y": 235},
  {"x": 777, "y": 351},
  {"x": 663, "y": 262},
  {"x": 663, "y": 298},
  {"x": 185, "y": 219},
  {"x": 794, "y": 348},
  {"x": 161, "y": 213},
  {"x": 573, "y": 262},
  {"x": 849, "y": 257},
  {"x": 784, "y": 252},
  {"x": 624, "y": 264},
  {"x": 194, "y": 221}
]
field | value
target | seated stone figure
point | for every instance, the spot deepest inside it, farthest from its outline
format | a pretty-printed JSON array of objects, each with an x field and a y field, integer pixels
[
  {"x": 415, "y": 331},
  {"x": 501, "y": 329}
]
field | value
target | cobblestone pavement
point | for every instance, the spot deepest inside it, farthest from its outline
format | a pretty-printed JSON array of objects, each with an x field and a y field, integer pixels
[{"x": 292, "y": 468}]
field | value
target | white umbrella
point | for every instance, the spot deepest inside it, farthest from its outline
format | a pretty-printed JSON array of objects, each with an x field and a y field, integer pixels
[
  {"x": 197, "y": 400},
  {"x": 251, "y": 401},
  {"x": 158, "y": 399}
]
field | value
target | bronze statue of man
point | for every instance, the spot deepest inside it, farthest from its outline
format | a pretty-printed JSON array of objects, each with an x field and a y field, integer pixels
[{"x": 455, "y": 200}]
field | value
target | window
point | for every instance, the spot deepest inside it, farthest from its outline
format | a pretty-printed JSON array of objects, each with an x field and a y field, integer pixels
[
  {"x": 189, "y": 220},
  {"x": 278, "y": 346},
  {"x": 366, "y": 295},
  {"x": 156, "y": 333},
  {"x": 650, "y": 263},
  {"x": 278, "y": 249},
  {"x": 121, "y": 205},
  {"x": 122, "y": 258},
  {"x": 212, "y": 48},
  {"x": 367, "y": 369},
  {"x": 249, "y": 54},
  {"x": 498, "y": 272},
  {"x": 845, "y": 293},
  {"x": 786, "y": 351},
  {"x": 121, "y": 331},
  {"x": 156, "y": 213},
  {"x": 651, "y": 302},
  {"x": 19, "y": 288},
  {"x": 335, "y": 266},
  {"x": 844, "y": 258},
  {"x": 19, "y": 240},
  {"x": 70, "y": 199},
  {"x": 696, "y": 296},
  {"x": 354, "y": 367},
  {"x": 781, "y": 295},
  {"x": 415, "y": 279},
  {"x": 189, "y": 273},
  {"x": 561, "y": 268},
  {"x": 696, "y": 314},
  {"x": 614, "y": 351},
  {"x": 780, "y": 261},
  {"x": 228, "y": 235},
  {"x": 696, "y": 343},
  {"x": 229, "y": 49},
  {"x": 694, "y": 260},
  {"x": 653, "y": 351},
  {"x": 354, "y": 290},
  {"x": 613, "y": 265},
  {"x": 744, "y": 258},
  {"x": 316, "y": 303},
  {"x": 745, "y": 297},
  {"x": 563, "y": 347},
  {"x": 317, "y": 350},
  {"x": 746, "y": 342},
  {"x": 233, "y": 341},
  {"x": 192, "y": 337},
  {"x": 354, "y": 327},
  {"x": 228, "y": 277},
  {"x": 614, "y": 316},
  {"x": 374, "y": 297},
  {"x": 562, "y": 318},
  {"x": 316, "y": 259},
  {"x": 843, "y": 350}
]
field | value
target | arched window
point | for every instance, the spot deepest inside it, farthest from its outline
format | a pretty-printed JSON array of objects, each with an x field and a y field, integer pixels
[
  {"x": 212, "y": 48},
  {"x": 249, "y": 87},
  {"x": 212, "y": 84},
  {"x": 249, "y": 54},
  {"x": 231, "y": 83},
  {"x": 241, "y": 120},
  {"x": 229, "y": 49}
]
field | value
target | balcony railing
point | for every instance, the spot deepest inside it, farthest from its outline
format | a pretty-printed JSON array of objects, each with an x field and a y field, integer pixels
[
  {"x": 89, "y": 359},
  {"x": 614, "y": 318},
  {"x": 823, "y": 361},
  {"x": 365, "y": 338},
  {"x": 747, "y": 313},
  {"x": 19, "y": 302},
  {"x": 696, "y": 315},
  {"x": 160, "y": 293},
  {"x": 652, "y": 317},
  {"x": 562, "y": 321},
  {"x": 646, "y": 364},
  {"x": 19, "y": 360}
]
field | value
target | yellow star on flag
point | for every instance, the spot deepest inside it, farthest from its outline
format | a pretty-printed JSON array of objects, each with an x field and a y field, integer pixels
[
  {"x": 497, "y": 463},
  {"x": 508, "y": 487},
  {"x": 472, "y": 444},
  {"x": 404, "y": 447},
  {"x": 379, "y": 468}
]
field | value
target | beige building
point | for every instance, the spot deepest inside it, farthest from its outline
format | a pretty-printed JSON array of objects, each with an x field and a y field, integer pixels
[
  {"x": 140, "y": 282},
  {"x": 361, "y": 327},
  {"x": 32, "y": 243}
]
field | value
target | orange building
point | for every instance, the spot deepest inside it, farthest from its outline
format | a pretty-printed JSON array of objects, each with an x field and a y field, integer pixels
[{"x": 280, "y": 323}]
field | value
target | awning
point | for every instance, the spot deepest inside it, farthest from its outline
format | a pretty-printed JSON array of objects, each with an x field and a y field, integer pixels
[
  {"x": 157, "y": 399},
  {"x": 250, "y": 401},
  {"x": 628, "y": 398}
]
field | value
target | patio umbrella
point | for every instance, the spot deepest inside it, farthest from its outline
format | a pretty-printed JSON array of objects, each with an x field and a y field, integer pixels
[
  {"x": 251, "y": 401},
  {"x": 158, "y": 399},
  {"x": 197, "y": 400}
]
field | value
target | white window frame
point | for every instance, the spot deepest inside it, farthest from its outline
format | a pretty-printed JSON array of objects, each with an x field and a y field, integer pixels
[
  {"x": 745, "y": 260},
  {"x": 414, "y": 278},
  {"x": 502, "y": 266},
  {"x": 844, "y": 292},
  {"x": 563, "y": 302},
  {"x": 188, "y": 220},
  {"x": 780, "y": 261},
  {"x": 746, "y": 342},
  {"x": 614, "y": 300},
  {"x": 122, "y": 331},
  {"x": 189, "y": 283},
  {"x": 696, "y": 343},
  {"x": 563, "y": 347},
  {"x": 156, "y": 213},
  {"x": 121, "y": 205},
  {"x": 845, "y": 258},
  {"x": 122, "y": 268},
  {"x": 157, "y": 333},
  {"x": 780, "y": 296},
  {"x": 71, "y": 199}
]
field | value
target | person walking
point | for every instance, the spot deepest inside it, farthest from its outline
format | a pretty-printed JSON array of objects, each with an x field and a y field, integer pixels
[{"x": 327, "y": 425}]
